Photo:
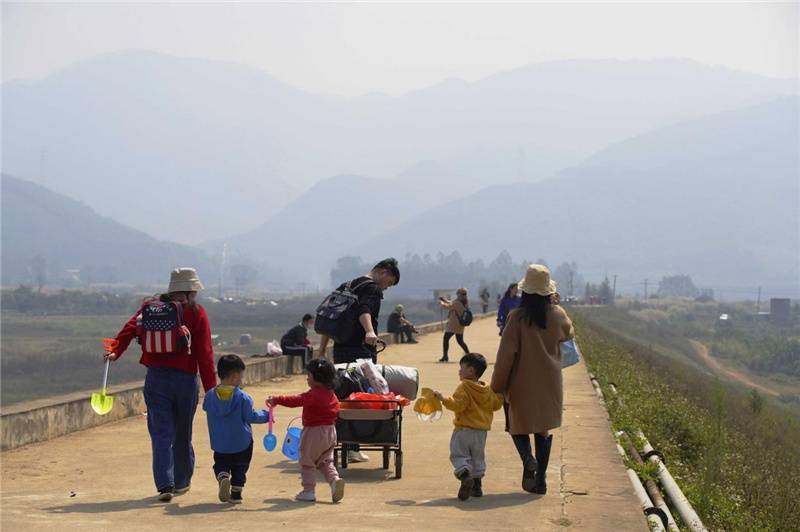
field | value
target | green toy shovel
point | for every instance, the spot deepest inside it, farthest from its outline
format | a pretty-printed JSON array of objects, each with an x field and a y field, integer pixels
[{"x": 102, "y": 403}]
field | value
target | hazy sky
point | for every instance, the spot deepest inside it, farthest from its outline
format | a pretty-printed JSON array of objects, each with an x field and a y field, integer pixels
[{"x": 357, "y": 48}]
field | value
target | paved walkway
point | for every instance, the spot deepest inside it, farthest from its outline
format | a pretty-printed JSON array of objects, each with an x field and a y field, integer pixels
[{"x": 99, "y": 479}]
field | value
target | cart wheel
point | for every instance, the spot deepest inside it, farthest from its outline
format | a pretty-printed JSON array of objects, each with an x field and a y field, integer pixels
[
  {"x": 386, "y": 458},
  {"x": 398, "y": 464}
]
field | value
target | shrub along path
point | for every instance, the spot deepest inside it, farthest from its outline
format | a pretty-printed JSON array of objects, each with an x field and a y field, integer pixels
[{"x": 99, "y": 479}]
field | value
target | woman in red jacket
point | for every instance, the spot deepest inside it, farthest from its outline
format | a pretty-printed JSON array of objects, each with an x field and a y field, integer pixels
[{"x": 170, "y": 387}]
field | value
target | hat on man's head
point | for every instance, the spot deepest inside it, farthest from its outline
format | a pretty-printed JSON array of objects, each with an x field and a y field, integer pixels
[
  {"x": 537, "y": 281},
  {"x": 184, "y": 280},
  {"x": 399, "y": 308}
]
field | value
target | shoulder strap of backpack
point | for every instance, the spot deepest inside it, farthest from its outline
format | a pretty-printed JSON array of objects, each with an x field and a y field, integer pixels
[
  {"x": 359, "y": 285},
  {"x": 179, "y": 308}
]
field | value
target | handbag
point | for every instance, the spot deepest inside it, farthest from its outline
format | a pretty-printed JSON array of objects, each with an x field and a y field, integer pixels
[{"x": 570, "y": 354}]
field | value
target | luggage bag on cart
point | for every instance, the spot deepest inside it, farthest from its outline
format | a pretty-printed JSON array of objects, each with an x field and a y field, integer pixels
[{"x": 373, "y": 429}]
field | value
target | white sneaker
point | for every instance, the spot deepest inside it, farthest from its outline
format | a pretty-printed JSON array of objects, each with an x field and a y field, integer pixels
[
  {"x": 357, "y": 456},
  {"x": 305, "y": 496},
  {"x": 337, "y": 490}
]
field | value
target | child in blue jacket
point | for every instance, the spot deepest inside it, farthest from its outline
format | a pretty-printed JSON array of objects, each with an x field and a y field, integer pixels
[{"x": 230, "y": 412}]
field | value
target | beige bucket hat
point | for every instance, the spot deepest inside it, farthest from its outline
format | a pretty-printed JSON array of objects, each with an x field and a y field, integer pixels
[
  {"x": 184, "y": 280},
  {"x": 537, "y": 281}
]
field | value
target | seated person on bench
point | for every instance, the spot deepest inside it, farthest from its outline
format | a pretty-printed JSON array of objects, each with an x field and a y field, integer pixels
[
  {"x": 295, "y": 342},
  {"x": 399, "y": 326}
]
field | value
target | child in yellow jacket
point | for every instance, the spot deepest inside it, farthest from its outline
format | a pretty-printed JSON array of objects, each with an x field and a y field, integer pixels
[{"x": 474, "y": 404}]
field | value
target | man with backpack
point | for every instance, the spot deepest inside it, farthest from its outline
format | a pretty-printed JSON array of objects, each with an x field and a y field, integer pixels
[
  {"x": 350, "y": 314},
  {"x": 175, "y": 337}
]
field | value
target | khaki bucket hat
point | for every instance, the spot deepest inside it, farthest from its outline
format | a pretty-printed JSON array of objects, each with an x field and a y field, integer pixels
[
  {"x": 184, "y": 280},
  {"x": 537, "y": 281}
]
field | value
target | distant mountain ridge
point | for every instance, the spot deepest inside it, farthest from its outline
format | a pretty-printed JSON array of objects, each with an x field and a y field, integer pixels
[
  {"x": 333, "y": 215},
  {"x": 46, "y": 232},
  {"x": 715, "y": 197},
  {"x": 133, "y": 134}
]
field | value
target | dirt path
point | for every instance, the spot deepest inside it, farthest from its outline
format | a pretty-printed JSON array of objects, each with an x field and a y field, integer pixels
[
  {"x": 99, "y": 479},
  {"x": 717, "y": 367}
]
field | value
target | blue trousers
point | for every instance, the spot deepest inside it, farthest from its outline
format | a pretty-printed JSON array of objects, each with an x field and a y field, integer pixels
[{"x": 171, "y": 397}]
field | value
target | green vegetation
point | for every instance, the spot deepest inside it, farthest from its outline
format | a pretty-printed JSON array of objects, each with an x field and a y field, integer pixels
[
  {"x": 736, "y": 457},
  {"x": 51, "y": 341},
  {"x": 760, "y": 346},
  {"x": 745, "y": 341}
]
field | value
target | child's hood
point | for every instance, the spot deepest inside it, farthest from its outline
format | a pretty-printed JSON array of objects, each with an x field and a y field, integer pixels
[
  {"x": 223, "y": 400},
  {"x": 480, "y": 393}
]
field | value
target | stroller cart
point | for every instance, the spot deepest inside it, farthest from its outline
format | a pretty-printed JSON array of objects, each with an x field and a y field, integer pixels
[
  {"x": 377, "y": 424},
  {"x": 371, "y": 430}
]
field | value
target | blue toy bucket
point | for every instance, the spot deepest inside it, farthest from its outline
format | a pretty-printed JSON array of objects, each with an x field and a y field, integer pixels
[{"x": 291, "y": 443}]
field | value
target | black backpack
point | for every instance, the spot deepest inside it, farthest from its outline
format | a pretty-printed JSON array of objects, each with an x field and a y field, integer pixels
[
  {"x": 336, "y": 315},
  {"x": 466, "y": 318},
  {"x": 350, "y": 380}
]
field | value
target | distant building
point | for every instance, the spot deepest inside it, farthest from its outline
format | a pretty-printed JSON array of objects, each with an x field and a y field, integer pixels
[{"x": 779, "y": 309}]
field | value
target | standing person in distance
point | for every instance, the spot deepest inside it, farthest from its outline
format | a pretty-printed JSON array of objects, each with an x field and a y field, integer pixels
[
  {"x": 485, "y": 296},
  {"x": 456, "y": 309},
  {"x": 528, "y": 371},
  {"x": 170, "y": 386},
  {"x": 509, "y": 302}
]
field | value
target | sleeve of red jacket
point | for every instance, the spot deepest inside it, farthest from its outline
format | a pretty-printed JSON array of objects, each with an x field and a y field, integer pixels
[
  {"x": 126, "y": 335},
  {"x": 292, "y": 401},
  {"x": 203, "y": 350}
]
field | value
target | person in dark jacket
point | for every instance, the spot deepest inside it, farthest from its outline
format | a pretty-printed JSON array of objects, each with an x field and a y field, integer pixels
[
  {"x": 509, "y": 302},
  {"x": 363, "y": 343},
  {"x": 295, "y": 341},
  {"x": 229, "y": 412},
  {"x": 369, "y": 290},
  {"x": 485, "y": 296},
  {"x": 398, "y": 325}
]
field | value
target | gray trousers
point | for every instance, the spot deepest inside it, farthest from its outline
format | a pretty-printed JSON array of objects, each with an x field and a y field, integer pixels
[{"x": 467, "y": 452}]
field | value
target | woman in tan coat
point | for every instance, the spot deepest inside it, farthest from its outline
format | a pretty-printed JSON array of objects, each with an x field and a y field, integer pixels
[
  {"x": 456, "y": 309},
  {"x": 528, "y": 372}
]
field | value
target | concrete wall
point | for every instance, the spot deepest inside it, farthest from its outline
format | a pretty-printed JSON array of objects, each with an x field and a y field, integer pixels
[{"x": 41, "y": 420}]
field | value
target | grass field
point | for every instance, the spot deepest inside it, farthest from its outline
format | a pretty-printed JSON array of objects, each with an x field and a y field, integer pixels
[
  {"x": 45, "y": 354},
  {"x": 764, "y": 353},
  {"x": 737, "y": 460}
]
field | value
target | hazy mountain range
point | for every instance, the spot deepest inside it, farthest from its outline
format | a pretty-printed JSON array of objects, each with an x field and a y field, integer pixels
[
  {"x": 652, "y": 168},
  {"x": 191, "y": 150},
  {"x": 715, "y": 197},
  {"x": 47, "y": 234}
]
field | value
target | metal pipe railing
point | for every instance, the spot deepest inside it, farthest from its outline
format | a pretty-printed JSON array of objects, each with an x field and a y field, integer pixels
[
  {"x": 676, "y": 496},
  {"x": 647, "y": 507},
  {"x": 651, "y": 487}
]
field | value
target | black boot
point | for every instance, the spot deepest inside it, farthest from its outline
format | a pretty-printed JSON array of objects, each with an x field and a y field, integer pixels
[
  {"x": 465, "y": 489},
  {"x": 543, "y": 445},
  {"x": 477, "y": 489},
  {"x": 523, "y": 444}
]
